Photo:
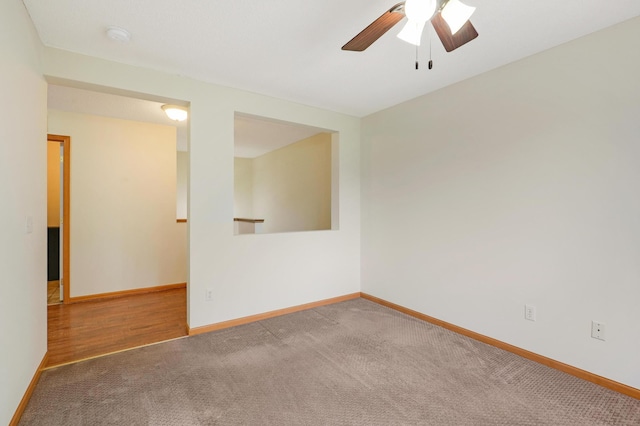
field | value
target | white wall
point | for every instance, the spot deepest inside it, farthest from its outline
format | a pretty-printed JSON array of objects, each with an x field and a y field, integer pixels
[
  {"x": 124, "y": 233},
  {"x": 517, "y": 186},
  {"x": 23, "y": 191},
  {"x": 285, "y": 269},
  {"x": 292, "y": 186},
  {"x": 243, "y": 188},
  {"x": 182, "y": 172}
]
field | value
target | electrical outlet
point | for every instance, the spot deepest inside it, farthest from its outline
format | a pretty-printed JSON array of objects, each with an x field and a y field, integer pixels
[
  {"x": 209, "y": 295},
  {"x": 597, "y": 330},
  {"x": 530, "y": 312}
]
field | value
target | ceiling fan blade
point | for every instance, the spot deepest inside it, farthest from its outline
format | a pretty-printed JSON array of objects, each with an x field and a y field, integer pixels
[
  {"x": 453, "y": 41},
  {"x": 376, "y": 29}
]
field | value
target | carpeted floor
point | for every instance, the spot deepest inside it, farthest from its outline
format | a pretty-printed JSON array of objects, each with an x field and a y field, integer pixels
[{"x": 352, "y": 363}]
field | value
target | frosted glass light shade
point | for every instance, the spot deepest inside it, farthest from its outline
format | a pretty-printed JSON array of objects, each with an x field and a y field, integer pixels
[
  {"x": 418, "y": 13},
  {"x": 412, "y": 32},
  {"x": 175, "y": 112},
  {"x": 455, "y": 14},
  {"x": 420, "y": 10}
]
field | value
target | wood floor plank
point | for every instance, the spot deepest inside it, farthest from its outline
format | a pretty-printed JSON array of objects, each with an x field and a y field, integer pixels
[
  {"x": 84, "y": 330},
  {"x": 53, "y": 292}
]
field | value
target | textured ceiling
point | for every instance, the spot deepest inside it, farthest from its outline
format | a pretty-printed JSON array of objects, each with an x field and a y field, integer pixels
[
  {"x": 291, "y": 48},
  {"x": 253, "y": 136},
  {"x": 107, "y": 105}
]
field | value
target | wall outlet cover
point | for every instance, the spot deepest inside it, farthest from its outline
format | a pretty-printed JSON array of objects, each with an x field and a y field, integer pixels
[
  {"x": 530, "y": 312},
  {"x": 597, "y": 330}
]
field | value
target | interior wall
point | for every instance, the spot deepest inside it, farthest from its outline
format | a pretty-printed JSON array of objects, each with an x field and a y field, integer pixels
[
  {"x": 243, "y": 188},
  {"x": 292, "y": 186},
  {"x": 124, "y": 233},
  {"x": 23, "y": 191},
  {"x": 517, "y": 187},
  {"x": 182, "y": 172},
  {"x": 256, "y": 273},
  {"x": 53, "y": 184}
]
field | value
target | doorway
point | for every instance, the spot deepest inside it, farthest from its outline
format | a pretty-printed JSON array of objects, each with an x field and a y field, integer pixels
[
  {"x": 58, "y": 223},
  {"x": 132, "y": 245},
  {"x": 125, "y": 201}
]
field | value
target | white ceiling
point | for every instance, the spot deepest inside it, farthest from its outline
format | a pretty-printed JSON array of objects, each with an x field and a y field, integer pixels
[
  {"x": 291, "y": 48},
  {"x": 253, "y": 136},
  {"x": 105, "y": 104}
]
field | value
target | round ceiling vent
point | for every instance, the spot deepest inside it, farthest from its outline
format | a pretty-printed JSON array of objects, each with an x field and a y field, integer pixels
[{"x": 118, "y": 34}]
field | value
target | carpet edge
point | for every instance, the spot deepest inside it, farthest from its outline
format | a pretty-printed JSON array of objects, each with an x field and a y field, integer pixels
[
  {"x": 532, "y": 356},
  {"x": 270, "y": 314},
  {"x": 27, "y": 394}
]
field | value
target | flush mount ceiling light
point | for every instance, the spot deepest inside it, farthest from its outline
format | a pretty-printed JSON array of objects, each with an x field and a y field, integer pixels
[
  {"x": 175, "y": 112},
  {"x": 118, "y": 34}
]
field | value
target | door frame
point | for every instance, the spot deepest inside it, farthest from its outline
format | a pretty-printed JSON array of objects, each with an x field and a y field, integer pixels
[{"x": 65, "y": 141}]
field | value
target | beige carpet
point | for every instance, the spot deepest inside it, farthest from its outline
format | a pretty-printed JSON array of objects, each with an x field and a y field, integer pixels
[{"x": 352, "y": 363}]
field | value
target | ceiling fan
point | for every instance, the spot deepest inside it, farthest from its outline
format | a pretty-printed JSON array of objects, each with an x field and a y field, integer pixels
[{"x": 450, "y": 19}]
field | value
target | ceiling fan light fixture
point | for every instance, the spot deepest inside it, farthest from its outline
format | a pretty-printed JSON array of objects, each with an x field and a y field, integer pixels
[
  {"x": 455, "y": 13},
  {"x": 412, "y": 32},
  {"x": 420, "y": 10},
  {"x": 175, "y": 112}
]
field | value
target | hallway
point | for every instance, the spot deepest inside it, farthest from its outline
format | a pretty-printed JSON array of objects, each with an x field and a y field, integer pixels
[{"x": 89, "y": 329}]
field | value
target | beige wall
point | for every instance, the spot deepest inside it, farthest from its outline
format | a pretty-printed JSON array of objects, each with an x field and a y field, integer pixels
[
  {"x": 328, "y": 266},
  {"x": 517, "y": 186},
  {"x": 23, "y": 191},
  {"x": 292, "y": 186},
  {"x": 53, "y": 184},
  {"x": 182, "y": 172},
  {"x": 124, "y": 233},
  {"x": 243, "y": 188}
]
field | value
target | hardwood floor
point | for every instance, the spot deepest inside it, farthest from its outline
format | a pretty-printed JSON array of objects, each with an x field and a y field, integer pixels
[
  {"x": 53, "y": 292},
  {"x": 88, "y": 329}
]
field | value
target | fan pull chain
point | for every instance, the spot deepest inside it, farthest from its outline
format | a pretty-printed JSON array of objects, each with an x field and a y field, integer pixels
[{"x": 416, "y": 56}]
